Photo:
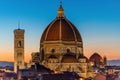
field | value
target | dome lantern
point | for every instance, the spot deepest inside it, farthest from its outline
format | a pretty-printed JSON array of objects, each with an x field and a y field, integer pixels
[
  {"x": 60, "y": 11},
  {"x": 61, "y": 29}
]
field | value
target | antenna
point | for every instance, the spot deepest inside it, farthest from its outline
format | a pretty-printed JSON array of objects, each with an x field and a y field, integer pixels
[
  {"x": 60, "y": 1},
  {"x": 18, "y": 24}
]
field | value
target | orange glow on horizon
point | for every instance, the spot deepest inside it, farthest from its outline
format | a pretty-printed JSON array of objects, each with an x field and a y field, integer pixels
[
  {"x": 10, "y": 57},
  {"x": 87, "y": 52},
  {"x": 110, "y": 51}
]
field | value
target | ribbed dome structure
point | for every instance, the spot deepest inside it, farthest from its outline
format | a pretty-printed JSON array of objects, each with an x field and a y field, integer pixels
[
  {"x": 61, "y": 46},
  {"x": 95, "y": 58},
  {"x": 61, "y": 29},
  {"x": 61, "y": 35}
]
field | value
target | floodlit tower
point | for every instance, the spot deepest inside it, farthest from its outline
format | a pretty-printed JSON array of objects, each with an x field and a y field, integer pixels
[{"x": 18, "y": 49}]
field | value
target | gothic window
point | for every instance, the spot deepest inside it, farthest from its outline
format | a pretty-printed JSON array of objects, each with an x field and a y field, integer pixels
[
  {"x": 53, "y": 50},
  {"x": 19, "y": 44}
]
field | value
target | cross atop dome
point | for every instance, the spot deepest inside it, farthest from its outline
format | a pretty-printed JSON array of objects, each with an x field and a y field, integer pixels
[{"x": 60, "y": 11}]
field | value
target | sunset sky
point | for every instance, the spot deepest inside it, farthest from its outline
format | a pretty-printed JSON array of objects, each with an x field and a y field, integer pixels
[{"x": 97, "y": 20}]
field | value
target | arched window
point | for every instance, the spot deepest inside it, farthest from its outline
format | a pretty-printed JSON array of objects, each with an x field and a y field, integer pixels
[
  {"x": 68, "y": 50},
  {"x": 19, "y": 44},
  {"x": 53, "y": 50}
]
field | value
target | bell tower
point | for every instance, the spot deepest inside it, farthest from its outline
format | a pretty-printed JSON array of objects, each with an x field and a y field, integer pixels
[{"x": 18, "y": 49}]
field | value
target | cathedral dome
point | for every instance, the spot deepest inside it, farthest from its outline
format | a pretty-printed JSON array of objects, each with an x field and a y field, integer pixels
[
  {"x": 61, "y": 29},
  {"x": 69, "y": 58},
  {"x": 95, "y": 58}
]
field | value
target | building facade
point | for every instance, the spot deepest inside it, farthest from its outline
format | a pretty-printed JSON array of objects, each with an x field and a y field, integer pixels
[
  {"x": 97, "y": 60},
  {"x": 61, "y": 46},
  {"x": 18, "y": 49}
]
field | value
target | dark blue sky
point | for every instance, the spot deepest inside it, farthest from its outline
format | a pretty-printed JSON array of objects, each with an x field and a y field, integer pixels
[{"x": 97, "y": 20}]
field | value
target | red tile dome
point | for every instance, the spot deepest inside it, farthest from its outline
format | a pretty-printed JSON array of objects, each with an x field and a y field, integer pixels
[
  {"x": 95, "y": 58},
  {"x": 61, "y": 29},
  {"x": 69, "y": 58}
]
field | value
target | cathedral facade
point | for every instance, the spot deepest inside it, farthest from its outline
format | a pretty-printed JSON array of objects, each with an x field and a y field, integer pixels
[
  {"x": 61, "y": 49},
  {"x": 61, "y": 46}
]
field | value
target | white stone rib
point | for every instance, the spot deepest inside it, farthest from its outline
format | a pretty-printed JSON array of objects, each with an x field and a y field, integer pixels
[
  {"x": 72, "y": 29},
  {"x": 49, "y": 28}
]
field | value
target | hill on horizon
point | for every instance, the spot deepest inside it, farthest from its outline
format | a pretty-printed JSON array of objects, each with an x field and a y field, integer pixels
[
  {"x": 109, "y": 62},
  {"x": 113, "y": 62},
  {"x": 6, "y": 63}
]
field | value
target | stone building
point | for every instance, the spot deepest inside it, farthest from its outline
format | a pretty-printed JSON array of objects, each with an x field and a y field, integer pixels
[
  {"x": 61, "y": 49},
  {"x": 18, "y": 49},
  {"x": 61, "y": 46},
  {"x": 97, "y": 61}
]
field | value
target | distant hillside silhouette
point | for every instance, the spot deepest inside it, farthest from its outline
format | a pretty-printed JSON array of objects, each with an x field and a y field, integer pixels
[
  {"x": 109, "y": 62},
  {"x": 113, "y": 62},
  {"x": 5, "y": 63}
]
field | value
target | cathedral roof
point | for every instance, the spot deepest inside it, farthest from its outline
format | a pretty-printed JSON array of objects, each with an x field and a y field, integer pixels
[
  {"x": 69, "y": 58},
  {"x": 52, "y": 56},
  {"x": 81, "y": 56},
  {"x": 61, "y": 29},
  {"x": 95, "y": 58}
]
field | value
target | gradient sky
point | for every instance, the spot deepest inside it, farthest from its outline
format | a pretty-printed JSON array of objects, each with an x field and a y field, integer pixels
[{"x": 97, "y": 20}]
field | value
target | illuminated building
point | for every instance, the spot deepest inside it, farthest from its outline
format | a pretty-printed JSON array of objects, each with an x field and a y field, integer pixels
[
  {"x": 100, "y": 76},
  {"x": 18, "y": 49},
  {"x": 33, "y": 72},
  {"x": 35, "y": 57},
  {"x": 97, "y": 61},
  {"x": 8, "y": 75},
  {"x": 61, "y": 49},
  {"x": 61, "y": 46}
]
